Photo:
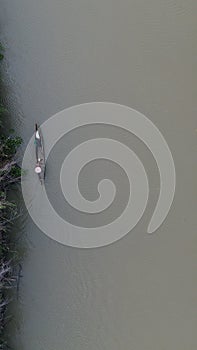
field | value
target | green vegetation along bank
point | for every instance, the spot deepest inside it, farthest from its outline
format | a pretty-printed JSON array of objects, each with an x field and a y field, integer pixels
[{"x": 10, "y": 174}]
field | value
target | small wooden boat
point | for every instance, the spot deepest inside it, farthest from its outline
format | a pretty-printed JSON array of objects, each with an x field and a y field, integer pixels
[{"x": 40, "y": 155}]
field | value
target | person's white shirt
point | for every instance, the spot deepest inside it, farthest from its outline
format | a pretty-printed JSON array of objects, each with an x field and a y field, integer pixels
[{"x": 37, "y": 135}]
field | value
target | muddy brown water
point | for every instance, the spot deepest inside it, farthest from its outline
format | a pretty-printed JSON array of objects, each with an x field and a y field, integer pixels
[{"x": 140, "y": 292}]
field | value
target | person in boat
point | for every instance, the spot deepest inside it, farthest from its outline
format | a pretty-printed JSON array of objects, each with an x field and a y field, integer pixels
[
  {"x": 37, "y": 138},
  {"x": 38, "y": 168}
]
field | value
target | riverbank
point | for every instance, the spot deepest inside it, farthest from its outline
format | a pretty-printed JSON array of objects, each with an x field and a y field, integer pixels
[{"x": 10, "y": 174}]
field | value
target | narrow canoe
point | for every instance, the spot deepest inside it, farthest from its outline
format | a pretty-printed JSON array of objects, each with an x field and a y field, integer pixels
[{"x": 40, "y": 155}]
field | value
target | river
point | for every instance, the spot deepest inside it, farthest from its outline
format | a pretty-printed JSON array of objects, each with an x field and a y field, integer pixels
[{"x": 138, "y": 293}]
